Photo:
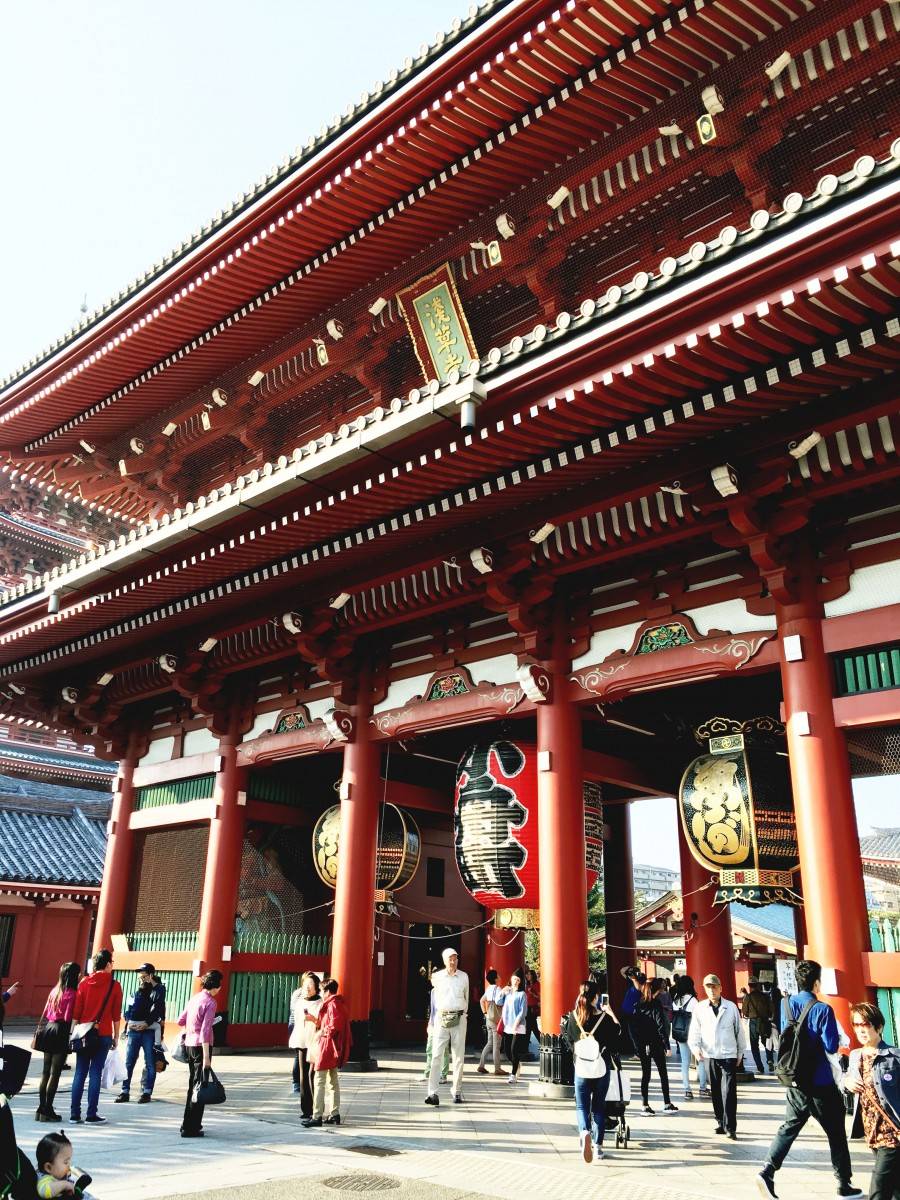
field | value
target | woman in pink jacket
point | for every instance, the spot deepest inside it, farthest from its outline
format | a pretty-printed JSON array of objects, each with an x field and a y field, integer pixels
[
  {"x": 332, "y": 1051},
  {"x": 197, "y": 1020}
]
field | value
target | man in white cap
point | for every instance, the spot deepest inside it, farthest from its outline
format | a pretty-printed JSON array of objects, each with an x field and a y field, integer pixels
[{"x": 451, "y": 1007}]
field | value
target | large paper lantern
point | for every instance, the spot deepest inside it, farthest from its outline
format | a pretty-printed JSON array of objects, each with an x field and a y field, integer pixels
[
  {"x": 496, "y": 825},
  {"x": 738, "y": 819},
  {"x": 397, "y": 858}
]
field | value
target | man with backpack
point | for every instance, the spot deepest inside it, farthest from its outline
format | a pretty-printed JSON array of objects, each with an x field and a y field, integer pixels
[{"x": 809, "y": 1035}]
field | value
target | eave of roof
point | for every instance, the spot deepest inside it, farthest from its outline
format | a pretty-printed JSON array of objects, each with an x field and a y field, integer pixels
[{"x": 677, "y": 280}]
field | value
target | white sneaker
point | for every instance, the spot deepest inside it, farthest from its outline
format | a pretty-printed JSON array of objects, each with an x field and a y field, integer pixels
[
  {"x": 587, "y": 1147},
  {"x": 598, "y": 1153}
]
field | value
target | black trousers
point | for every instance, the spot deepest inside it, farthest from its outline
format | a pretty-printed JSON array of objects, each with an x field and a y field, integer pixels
[
  {"x": 723, "y": 1086},
  {"x": 53, "y": 1065},
  {"x": 754, "y": 1045},
  {"x": 304, "y": 1076},
  {"x": 653, "y": 1052},
  {"x": 885, "y": 1183},
  {"x": 516, "y": 1047},
  {"x": 826, "y": 1105},
  {"x": 193, "y": 1113}
]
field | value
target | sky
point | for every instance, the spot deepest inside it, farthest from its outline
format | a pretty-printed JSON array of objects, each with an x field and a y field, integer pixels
[
  {"x": 127, "y": 126},
  {"x": 654, "y": 829}
]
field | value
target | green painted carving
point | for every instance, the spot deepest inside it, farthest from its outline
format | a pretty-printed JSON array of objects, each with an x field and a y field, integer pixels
[
  {"x": 664, "y": 637},
  {"x": 448, "y": 685}
]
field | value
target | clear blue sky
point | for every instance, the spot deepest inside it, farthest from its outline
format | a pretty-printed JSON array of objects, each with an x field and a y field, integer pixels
[{"x": 127, "y": 124}]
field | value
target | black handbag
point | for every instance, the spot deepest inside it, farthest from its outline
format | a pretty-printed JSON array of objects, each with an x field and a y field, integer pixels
[
  {"x": 209, "y": 1090},
  {"x": 51, "y": 1038},
  {"x": 13, "y": 1069}
]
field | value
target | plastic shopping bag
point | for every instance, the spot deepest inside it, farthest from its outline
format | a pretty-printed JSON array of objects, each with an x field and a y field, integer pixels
[{"x": 113, "y": 1068}]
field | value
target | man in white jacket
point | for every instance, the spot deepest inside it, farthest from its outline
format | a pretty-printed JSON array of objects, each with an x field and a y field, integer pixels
[
  {"x": 717, "y": 1037},
  {"x": 451, "y": 1005}
]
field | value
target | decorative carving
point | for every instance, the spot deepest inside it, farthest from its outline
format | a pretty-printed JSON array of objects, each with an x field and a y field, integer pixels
[
  {"x": 664, "y": 637},
  {"x": 717, "y": 727},
  {"x": 291, "y": 719},
  {"x": 444, "y": 686},
  {"x": 741, "y": 649},
  {"x": 535, "y": 681},
  {"x": 314, "y": 738},
  {"x": 340, "y": 724},
  {"x": 482, "y": 703}
]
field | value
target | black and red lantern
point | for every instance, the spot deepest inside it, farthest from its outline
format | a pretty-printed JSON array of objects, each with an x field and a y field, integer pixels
[{"x": 496, "y": 825}]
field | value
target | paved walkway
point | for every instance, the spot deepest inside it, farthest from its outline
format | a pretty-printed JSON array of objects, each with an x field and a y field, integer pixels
[{"x": 500, "y": 1143}]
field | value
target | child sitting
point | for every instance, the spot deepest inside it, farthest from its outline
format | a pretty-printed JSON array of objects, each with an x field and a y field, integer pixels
[{"x": 56, "y": 1175}]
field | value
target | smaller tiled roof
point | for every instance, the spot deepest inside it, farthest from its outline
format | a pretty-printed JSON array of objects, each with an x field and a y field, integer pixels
[
  {"x": 776, "y": 919},
  {"x": 51, "y": 834},
  {"x": 881, "y": 844},
  {"x": 44, "y": 756}
]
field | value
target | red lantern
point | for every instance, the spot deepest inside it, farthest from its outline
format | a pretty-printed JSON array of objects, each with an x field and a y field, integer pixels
[{"x": 496, "y": 826}]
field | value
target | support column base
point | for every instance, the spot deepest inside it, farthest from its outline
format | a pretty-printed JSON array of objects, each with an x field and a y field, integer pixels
[
  {"x": 557, "y": 1064},
  {"x": 367, "y": 1064},
  {"x": 552, "y": 1091},
  {"x": 360, "y": 1059}
]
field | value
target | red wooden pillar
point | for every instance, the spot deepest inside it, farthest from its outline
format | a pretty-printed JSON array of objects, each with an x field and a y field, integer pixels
[
  {"x": 354, "y": 896},
  {"x": 83, "y": 936},
  {"x": 505, "y": 952},
  {"x": 223, "y": 865},
  {"x": 837, "y": 929},
  {"x": 618, "y": 896},
  {"x": 707, "y": 926},
  {"x": 119, "y": 853},
  {"x": 563, "y": 888}
]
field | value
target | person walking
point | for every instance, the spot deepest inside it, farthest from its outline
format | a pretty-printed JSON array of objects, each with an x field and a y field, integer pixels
[
  {"x": 515, "y": 1023},
  {"x": 197, "y": 1020},
  {"x": 756, "y": 1009},
  {"x": 533, "y": 996},
  {"x": 97, "y": 1010},
  {"x": 874, "y": 1078},
  {"x": 429, "y": 1044},
  {"x": 52, "y": 1038},
  {"x": 306, "y": 1003},
  {"x": 590, "y": 1022},
  {"x": 332, "y": 1050},
  {"x": 664, "y": 996},
  {"x": 145, "y": 1019},
  {"x": 814, "y": 1092},
  {"x": 684, "y": 1002},
  {"x": 492, "y": 1007},
  {"x": 450, "y": 997},
  {"x": 717, "y": 1037},
  {"x": 649, "y": 1030}
]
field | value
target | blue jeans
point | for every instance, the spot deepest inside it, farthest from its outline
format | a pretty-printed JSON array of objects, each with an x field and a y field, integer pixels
[
  {"x": 86, "y": 1066},
  {"x": 590, "y": 1104},
  {"x": 142, "y": 1039},
  {"x": 684, "y": 1053}
]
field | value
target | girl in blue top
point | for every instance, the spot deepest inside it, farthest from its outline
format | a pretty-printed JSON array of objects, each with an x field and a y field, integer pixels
[{"x": 515, "y": 1013}]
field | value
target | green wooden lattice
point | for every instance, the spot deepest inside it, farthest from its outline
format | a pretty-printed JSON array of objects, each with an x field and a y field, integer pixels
[
  {"x": 160, "y": 941},
  {"x": 179, "y": 989},
  {"x": 273, "y": 791},
  {"x": 177, "y": 791},
  {"x": 255, "y": 942},
  {"x": 872, "y": 670},
  {"x": 259, "y": 998}
]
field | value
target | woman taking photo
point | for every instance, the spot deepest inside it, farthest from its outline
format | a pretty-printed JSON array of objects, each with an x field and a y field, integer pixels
[
  {"x": 684, "y": 1001},
  {"x": 515, "y": 1023},
  {"x": 306, "y": 1004},
  {"x": 52, "y": 1037},
  {"x": 197, "y": 1020},
  {"x": 649, "y": 1032},
  {"x": 874, "y": 1076},
  {"x": 599, "y": 1028}
]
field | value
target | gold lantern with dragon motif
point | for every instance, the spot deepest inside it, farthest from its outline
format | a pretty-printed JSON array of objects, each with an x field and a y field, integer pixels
[
  {"x": 397, "y": 856},
  {"x": 737, "y": 811}
]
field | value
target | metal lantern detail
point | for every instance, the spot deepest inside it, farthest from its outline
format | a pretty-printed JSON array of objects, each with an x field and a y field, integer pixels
[
  {"x": 397, "y": 857},
  {"x": 737, "y": 816},
  {"x": 496, "y": 827}
]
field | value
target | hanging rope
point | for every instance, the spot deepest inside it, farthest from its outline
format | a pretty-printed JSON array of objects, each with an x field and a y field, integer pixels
[{"x": 427, "y": 937}]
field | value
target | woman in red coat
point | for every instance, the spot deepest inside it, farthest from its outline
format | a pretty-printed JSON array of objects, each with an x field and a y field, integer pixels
[{"x": 332, "y": 1051}]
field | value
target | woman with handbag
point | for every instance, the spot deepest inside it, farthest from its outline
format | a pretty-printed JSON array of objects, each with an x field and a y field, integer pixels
[
  {"x": 197, "y": 1020},
  {"x": 515, "y": 1023},
  {"x": 684, "y": 1001},
  {"x": 52, "y": 1038},
  {"x": 593, "y": 1032}
]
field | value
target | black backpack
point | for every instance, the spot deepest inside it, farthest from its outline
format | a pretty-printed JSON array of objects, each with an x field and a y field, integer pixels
[{"x": 792, "y": 1066}]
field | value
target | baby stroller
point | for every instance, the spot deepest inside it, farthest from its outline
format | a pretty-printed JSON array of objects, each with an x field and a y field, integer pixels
[{"x": 617, "y": 1100}]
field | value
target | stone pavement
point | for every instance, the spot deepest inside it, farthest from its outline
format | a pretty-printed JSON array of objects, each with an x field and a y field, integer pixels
[{"x": 501, "y": 1143}]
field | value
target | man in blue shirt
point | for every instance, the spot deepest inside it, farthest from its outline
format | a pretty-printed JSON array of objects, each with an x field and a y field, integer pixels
[{"x": 818, "y": 1096}]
